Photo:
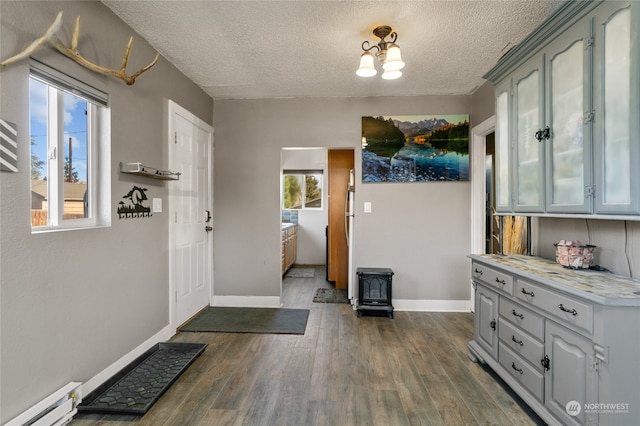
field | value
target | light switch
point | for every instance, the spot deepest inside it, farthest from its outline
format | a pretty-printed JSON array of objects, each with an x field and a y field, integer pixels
[
  {"x": 367, "y": 206},
  {"x": 157, "y": 205}
]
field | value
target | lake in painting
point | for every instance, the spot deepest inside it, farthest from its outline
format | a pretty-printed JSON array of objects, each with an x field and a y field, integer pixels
[{"x": 415, "y": 148}]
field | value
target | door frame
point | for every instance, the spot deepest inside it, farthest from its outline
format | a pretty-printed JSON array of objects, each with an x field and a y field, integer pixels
[
  {"x": 478, "y": 189},
  {"x": 172, "y": 108}
]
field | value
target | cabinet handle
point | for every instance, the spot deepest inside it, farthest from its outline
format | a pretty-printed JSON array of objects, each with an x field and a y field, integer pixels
[
  {"x": 571, "y": 311},
  {"x": 515, "y": 314},
  {"x": 519, "y": 370},
  {"x": 516, "y": 341},
  {"x": 498, "y": 280},
  {"x": 478, "y": 271},
  {"x": 528, "y": 293},
  {"x": 543, "y": 134},
  {"x": 546, "y": 362},
  {"x": 493, "y": 324},
  {"x": 538, "y": 135},
  {"x": 546, "y": 133}
]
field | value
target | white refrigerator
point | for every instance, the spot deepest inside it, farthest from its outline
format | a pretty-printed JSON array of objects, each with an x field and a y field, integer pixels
[{"x": 349, "y": 216}]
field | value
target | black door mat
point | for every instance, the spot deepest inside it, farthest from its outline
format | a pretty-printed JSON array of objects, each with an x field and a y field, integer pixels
[
  {"x": 141, "y": 383},
  {"x": 330, "y": 295}
]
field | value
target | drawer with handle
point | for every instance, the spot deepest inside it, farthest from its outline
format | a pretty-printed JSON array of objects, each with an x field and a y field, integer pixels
[
  {"x": 521, "y": 343},
  {"x": 524, "y": 318},
  {"x": 492, "y": 277},
  {"x": 528, "y": 377},
  {"x": 567, "y": 308}
]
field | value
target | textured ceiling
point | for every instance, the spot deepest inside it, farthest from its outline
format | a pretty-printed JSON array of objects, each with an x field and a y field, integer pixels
[{"x": 275, "y": 49}]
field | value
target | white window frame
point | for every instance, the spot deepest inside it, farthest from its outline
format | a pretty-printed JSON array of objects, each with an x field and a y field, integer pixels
[
  {"x": 98, "y": 147},
  {"x": 303, "y": 174}
]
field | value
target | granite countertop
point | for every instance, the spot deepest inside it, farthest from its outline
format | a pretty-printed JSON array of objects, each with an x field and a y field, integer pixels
[{"x": 601, "y": 287}]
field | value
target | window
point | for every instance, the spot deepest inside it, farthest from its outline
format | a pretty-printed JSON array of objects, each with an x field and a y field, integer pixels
[
  {"x": 69, "y": 143},
  {"x": 302, "y": 190}
]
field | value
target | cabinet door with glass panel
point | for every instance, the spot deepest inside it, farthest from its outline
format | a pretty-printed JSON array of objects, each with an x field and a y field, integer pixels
[
  {"x": 502, "y": 171},
  {"x": 568, "y": 118},
  {"x": 528, "y": 153},
  {"x": 616, "y": 99}
]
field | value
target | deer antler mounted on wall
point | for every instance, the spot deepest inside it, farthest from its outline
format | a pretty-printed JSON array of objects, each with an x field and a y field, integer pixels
[{"x": 72, "y": 52}]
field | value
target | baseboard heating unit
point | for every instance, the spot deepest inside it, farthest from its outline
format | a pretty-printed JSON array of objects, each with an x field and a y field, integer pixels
[{"x": 55, "y": 410}]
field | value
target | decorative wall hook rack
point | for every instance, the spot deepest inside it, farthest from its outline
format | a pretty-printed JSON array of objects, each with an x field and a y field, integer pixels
[{"x": 148, "y": 171}]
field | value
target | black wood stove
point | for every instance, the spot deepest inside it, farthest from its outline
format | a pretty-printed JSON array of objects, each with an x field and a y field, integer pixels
[{"x": 374, "y": 290}]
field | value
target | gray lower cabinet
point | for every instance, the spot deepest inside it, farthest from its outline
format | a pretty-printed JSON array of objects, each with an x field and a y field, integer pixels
[
  {"x": 486, "y": 320},
  {"x": 565, "y": 341},
  {"x": 569, "y": 377}
]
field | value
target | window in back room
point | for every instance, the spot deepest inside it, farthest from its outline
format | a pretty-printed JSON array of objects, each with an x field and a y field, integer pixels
[{"x": 302, "y": 190}]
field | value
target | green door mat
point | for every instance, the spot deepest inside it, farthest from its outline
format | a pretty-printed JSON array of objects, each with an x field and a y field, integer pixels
[{"x": 219, "y": 319}]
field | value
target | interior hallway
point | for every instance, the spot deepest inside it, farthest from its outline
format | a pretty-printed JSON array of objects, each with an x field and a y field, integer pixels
[{"x": 411, "y": 370}]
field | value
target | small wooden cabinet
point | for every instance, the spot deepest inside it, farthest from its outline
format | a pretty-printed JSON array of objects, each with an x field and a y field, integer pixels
[
  {"x": 560, "y": 338},
  {"x": 289, "y": 246}
]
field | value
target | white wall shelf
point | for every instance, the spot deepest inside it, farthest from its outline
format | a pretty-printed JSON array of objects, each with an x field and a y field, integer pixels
[{"x": 148, "y": 171}]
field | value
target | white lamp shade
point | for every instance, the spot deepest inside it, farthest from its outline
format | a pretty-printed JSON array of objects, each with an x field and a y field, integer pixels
[
  {"x": 393, "y": 60},
  {"x": 391, "y": 74},
  {"x": 367, "y": 68}
]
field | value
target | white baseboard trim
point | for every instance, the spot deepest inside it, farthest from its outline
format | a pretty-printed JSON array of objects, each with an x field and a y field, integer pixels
[
  {"x": 247, "y": 301},
  {"x": 432, "y": 305},
  {"x": 93, "y": 383}
]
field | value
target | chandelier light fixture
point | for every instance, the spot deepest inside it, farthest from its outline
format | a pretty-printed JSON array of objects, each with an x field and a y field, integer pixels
[{"x": 388, "y": 52}]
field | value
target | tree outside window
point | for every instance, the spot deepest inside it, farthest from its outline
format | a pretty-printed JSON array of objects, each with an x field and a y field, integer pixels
[{"x": 302, "y": 191}]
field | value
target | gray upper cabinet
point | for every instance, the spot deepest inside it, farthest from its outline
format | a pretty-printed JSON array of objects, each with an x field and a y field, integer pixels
[
  {"x": 502, "y": 147},
  {"x": 528, "y": 152},
  {"x": 566, "y": 110},
  {"x": 616, "y": 101},
  {"x": 567, "y": 117}
]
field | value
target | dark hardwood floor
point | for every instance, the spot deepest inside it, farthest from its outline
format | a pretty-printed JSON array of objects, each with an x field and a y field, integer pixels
[{"x": 345, "y": 370}]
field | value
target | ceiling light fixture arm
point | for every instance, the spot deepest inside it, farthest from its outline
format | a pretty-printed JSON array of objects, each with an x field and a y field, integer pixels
[{"x": 381, "y": 32}]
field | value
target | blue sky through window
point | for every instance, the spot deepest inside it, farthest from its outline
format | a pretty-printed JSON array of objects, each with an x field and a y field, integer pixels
[{"x": 75, "y": 127}]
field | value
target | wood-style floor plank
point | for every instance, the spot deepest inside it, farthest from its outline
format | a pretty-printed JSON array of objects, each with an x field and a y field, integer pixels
[{"x": 345, "y": 370}]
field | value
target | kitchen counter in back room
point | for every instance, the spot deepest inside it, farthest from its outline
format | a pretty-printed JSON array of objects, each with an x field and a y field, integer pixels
[{"x": 601, "y": 287}]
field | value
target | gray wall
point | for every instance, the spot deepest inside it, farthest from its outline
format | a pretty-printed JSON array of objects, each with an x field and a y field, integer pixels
[
  {"x": 73, "y": 303},
  {"x": 420, "y": 230},
  {"x": 483, "y": 103}
]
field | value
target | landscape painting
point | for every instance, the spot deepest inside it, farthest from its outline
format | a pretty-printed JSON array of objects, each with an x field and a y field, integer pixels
[{"x": 415, "y": 148}]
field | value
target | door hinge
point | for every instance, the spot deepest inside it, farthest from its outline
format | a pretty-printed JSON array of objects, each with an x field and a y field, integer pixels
[
  {"x": 588, "y": 43},
  {"x": 589, "y": 117},
  {"x": 175, "y": 137},
  {"x": 175, "y": 217}
]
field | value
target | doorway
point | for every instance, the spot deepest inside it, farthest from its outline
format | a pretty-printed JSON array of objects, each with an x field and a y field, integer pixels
[
  {"x": 320, "y": 240},
  {"x": 190, "y": 205},
  {"x": 481, "y": 190}
]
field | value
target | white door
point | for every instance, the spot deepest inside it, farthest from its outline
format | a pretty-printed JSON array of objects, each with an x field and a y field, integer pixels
[{"x": 191, "y": 224}]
